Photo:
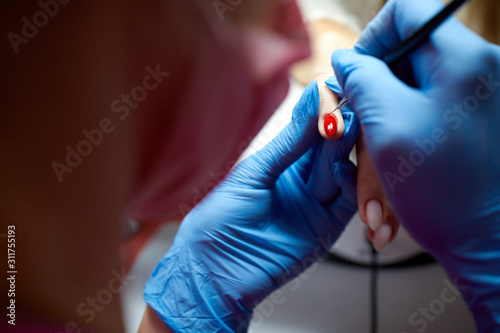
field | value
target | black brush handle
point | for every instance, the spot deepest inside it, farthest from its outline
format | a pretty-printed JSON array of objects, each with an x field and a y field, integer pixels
[{"x": 421, "y": 35}]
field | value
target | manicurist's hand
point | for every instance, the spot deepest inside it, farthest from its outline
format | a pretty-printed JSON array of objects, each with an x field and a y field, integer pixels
[
  {"x": 435, "y": 143},
  {"x": 277, "y": 213}
]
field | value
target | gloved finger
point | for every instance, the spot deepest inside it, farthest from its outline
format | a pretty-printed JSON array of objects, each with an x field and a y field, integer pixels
[
  {"x": 328, "y": 101},
  {"x": 363, "y": 78},
  {"x": 333, "y": 84},
  {"x": 288, "y": 146},
  {"x": 305, "y": 163},
  {"x": 372, "y": 88},
  {"x": 362, "y": 75},
  {"x": 345, "y": 202},
  {"x": 322, "y": 182}
]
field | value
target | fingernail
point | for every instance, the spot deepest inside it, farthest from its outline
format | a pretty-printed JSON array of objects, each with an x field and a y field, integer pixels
[
  {"x": 381, "y": 237},
  {"x": 374, "y": 214},
  {"x": 330, "y": 125}
]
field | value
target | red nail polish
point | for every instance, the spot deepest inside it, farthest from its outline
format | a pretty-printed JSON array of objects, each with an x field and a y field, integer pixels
[{"x": 330, "y": 125}]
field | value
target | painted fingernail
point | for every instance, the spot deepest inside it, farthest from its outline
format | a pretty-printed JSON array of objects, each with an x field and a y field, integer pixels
[
  {"x": 330, "y": 125},
  {"x": 381, "y": 237},
  {"x": 374, "y": 214}
]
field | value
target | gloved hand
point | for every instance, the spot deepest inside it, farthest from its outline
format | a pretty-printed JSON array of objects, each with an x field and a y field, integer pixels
[
  {"x": 276, "y": 214},
  {"x": 436, "y": 146}
]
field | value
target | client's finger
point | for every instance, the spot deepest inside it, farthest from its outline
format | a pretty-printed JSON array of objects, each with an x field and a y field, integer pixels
[
  {"x": 387, "y": 232},
  {"x": 330, "y": 125},
  {"x": 325, "y": 178},
  {"x": 374, "y": 208}
]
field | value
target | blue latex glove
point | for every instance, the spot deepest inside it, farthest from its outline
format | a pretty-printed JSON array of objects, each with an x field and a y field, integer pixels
[
  {"x": 276, "y": 214},
  {"x": 436, "y": 146}
]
